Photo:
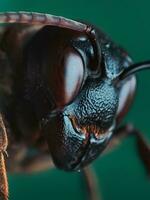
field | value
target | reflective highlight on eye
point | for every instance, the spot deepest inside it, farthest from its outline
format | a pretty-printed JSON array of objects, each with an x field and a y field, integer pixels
[
  {"x": 65, "y": 76},
  {"x": 73, "y": 76}
]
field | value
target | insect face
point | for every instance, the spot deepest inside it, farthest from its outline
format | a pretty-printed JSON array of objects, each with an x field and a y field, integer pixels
[
  {"x": 67, "y": 84},
  {"x": 80, "y": 102}
]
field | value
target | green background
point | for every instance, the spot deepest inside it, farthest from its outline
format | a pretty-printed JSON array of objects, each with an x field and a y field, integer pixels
[{"x": 121, "y": 174}]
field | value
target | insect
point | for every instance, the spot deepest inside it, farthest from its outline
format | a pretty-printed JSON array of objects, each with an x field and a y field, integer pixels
[{"x": 65, "y": 86}]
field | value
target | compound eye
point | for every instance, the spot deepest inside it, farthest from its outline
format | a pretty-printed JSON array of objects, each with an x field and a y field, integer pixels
[
  {"x": 66, "y": 78},
  {"x": 73, "y": 76}
]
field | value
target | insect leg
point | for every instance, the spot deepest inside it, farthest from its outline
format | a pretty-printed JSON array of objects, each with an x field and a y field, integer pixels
[
  {"x": 3, "y": 174},
  {"x": 142, "y": 145},
  {"x": 91, "y": 184}
]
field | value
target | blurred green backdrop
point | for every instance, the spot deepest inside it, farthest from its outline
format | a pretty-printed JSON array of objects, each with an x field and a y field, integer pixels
[{"x": 121, "y": 174}]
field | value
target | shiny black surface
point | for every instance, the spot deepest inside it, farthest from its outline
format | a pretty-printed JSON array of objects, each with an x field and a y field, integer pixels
[{"x": 77, "y": 120}]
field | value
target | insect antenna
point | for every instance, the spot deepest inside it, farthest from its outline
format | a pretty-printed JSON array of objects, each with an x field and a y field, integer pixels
[
  {"x": 134, "y": 68},
  {"x": 42, "y": 19}
]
